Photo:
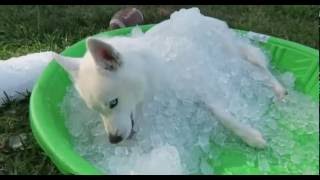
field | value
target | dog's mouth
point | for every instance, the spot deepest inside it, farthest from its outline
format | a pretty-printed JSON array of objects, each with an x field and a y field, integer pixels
[{"x": 132, "y": 132}]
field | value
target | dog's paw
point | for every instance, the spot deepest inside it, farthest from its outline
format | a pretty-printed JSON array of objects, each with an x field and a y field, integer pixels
[
  {"x": 254, "y": 138},
  {"x": 281, "y": 93}
]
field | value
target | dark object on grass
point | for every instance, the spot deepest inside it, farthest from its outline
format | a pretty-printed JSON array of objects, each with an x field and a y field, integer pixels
[{"x": 126, "y": 17}]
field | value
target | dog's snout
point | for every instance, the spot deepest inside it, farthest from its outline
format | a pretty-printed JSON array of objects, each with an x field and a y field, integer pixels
[{"x": 114, "y": 139}]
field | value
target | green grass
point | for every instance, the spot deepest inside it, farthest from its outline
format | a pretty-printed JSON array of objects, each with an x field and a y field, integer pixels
[{"x": 28, "y": 29}]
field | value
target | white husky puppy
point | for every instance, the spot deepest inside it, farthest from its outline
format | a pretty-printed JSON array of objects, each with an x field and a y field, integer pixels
[{"x": 115, "y": 77}]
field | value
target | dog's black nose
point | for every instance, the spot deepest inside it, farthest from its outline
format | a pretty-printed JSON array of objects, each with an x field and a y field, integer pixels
[{"x": 114, "y": 139}]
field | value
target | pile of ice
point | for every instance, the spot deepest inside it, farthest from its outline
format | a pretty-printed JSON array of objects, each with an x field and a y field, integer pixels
[
  {"x": 179, "y": 136},
  {"x": 19, "y": 74}
]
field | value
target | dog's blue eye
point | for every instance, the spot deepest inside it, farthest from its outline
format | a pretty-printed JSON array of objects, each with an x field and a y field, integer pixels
[{"x": 113, "y": 103}]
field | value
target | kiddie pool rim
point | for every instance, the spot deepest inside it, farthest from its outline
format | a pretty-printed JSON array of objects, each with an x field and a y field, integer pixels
[{"x": 82, "y": 166}]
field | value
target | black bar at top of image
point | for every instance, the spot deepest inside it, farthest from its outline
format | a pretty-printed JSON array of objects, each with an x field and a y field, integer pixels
[{"x": 159, "y": 2}]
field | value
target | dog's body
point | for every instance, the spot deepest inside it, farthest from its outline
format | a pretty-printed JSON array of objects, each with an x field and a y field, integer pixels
[{"x": 109, "y": 67}]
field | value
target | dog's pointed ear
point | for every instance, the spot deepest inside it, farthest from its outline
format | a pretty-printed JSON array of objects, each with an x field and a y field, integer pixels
[
  {"x": 70, "y": 65},
  {"x": 104, "y": 55}
]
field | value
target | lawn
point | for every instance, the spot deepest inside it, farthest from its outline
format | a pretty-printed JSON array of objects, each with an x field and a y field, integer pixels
[{"x": 28, "y": 29}]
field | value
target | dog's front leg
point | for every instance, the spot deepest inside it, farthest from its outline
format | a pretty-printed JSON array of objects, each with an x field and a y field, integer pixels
[
  {"x": 248, "y": 134},
  {"x": 255, "y": 56}
]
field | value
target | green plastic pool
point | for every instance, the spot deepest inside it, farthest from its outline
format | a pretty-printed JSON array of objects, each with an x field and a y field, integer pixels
[{"x": 47, "y": 121}]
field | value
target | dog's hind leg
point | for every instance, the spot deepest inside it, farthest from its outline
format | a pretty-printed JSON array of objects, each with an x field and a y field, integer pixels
[
  {"x": 248, "y": 134},
  {"x": 256, "y": 57}
]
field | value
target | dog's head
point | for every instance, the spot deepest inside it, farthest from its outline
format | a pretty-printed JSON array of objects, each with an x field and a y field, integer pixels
[{"x": 107, "y": 86}]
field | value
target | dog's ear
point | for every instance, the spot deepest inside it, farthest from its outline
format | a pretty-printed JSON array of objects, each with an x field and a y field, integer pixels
[
  {"x": 104, "y": 54},
  {"x": 70, "y": 65}
]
